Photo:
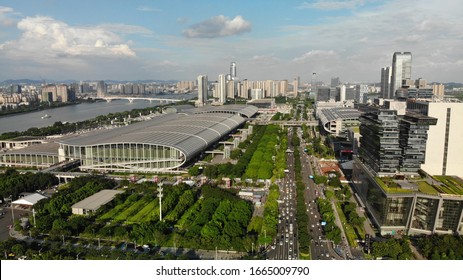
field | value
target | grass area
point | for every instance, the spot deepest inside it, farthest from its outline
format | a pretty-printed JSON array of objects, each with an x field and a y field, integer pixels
[
  {"x": 390, "y": 187},
  {"x": 426, "y": 188},
  {"x": 147, "y": 213},
  {"x": 134, "y": 208},
  {"x": 348, "y": 229},
  {"x": 452, "y": 185},
  {"x": 115, "y": 211}
]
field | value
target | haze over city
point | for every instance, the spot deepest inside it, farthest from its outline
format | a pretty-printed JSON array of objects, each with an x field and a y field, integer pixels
[{"x": 268, "y": 39}]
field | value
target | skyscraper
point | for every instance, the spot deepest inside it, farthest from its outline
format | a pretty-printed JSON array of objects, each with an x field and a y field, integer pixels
[
  {"x": 233, "y": 70},
  {"x": 100, "y": 89},
  {"x": 222, "y": 88},
  {"x": 202, "y": 90},
  {"x": 401, "y": 70},
  {"x": 386, "y": 82},
  {"x": 313, "y": 83}
]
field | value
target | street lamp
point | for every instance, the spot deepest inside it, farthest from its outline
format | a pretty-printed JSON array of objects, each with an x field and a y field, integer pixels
[{"x": 160, "y": 200}]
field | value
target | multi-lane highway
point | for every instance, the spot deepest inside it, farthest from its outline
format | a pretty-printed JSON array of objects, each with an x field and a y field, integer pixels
[
  {"x": 286, "y": 244},
  {"x": 285, "y": 247}
]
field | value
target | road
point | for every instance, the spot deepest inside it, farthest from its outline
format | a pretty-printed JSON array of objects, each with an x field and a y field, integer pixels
[{"x": 285, "y": 247}]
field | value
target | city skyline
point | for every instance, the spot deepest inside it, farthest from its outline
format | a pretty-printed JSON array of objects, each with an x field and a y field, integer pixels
[{"x": 179, "y": 40}]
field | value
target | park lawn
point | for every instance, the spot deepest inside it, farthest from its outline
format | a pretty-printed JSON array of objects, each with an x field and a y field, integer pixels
[
  {"x": 144, "y": 214},
  {"x": 115, "y": 211},
  {"x": 134, "y": 208}
]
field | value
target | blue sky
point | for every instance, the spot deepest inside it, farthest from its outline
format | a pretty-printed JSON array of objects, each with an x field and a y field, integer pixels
[{"x": 268, "y": 39}]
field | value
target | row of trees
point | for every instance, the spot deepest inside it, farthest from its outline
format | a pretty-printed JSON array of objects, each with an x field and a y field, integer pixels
[
  {"x": 395, "y": 249},
  {"x": 440, "y": 247},
  {"x": 262, "y": 161},
  {"x": 12, "y": 183},
  {"x": 301, "y": 210},
  {"x": 349, "y": 210},
  {"x": 264, "y": 157},
  {"x": 53, "y": 215},
  {"x": 218, "y": 219},
  {"x": 55, "y": 250},
  {"x": 331, "y": 229},
  {"x": 193, "y": 218}
]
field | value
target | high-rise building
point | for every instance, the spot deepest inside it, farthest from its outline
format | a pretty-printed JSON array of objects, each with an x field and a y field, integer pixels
[
  {"x": 421, "y": 83},
  {"x": 233, "y": 70},
  {"x": 379, "y": 144},
  {"x": 445, "y": 156},
  {"x": 386, "y": 73},
  {"x": 100, "y": 89},
  {"x": 413, "y": 132},
  {"x": 361, "y": 93},
  {"x": 231, "y": 89},
  {"x": 62, "y": 93},
  {"x": 313, "y": 82},
  {"x": 202, "y": 90},
  {"x": 323, "y": 94},
  {"x": 295, "y": 86},
  {"x": 438, "y": 90},
  {"x": 49, "y": 91},
  {"x": 222, "y": 88},
  {"x": 401, "y": 70}
]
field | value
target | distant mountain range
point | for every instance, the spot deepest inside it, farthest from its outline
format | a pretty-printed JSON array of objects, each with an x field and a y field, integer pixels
[{"x": 38, "y": 82}]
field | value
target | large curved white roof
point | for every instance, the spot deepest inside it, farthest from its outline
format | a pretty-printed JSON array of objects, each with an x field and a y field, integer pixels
[{"x": 190, "y": 133}]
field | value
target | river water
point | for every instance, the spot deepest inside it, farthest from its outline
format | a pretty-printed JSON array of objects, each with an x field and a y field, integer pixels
[{"x": 78, "y": 112}]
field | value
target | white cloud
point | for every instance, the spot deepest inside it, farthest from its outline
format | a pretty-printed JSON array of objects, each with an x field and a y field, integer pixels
[
  {"x": 314, "y": 54},
  {"x": 125, "y": 28},
  {"x": 147, "y": 9},
  {"x": 218, "y": 26},
  {"x": 331, "y": 5},
  {"x": 167, "y": 63},
  {"x": 7, "y": 16},
  {"x": 46, "y": 37}
]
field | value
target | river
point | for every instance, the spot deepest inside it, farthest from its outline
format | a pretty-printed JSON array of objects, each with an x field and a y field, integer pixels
[{"x": 78, "y": 112}]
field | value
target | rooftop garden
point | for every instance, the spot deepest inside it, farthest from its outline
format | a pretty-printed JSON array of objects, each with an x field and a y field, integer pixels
[
  {"x": 451, "y": 185},
  {"x": 444, "y": 185},
  {"x": 389, "y": 186}
]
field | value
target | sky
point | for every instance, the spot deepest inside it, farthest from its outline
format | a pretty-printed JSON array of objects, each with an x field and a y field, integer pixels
[{"x": 268, "y": 39}]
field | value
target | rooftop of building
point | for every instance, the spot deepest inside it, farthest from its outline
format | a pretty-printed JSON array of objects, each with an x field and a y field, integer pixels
[
  {"x": 432, "y": 185},
  {"x": 95, "y": 201},
  {"x": 189, "y": 130},
  {"x": 47, "y": 148},
  {"x": 333, "y": 114}
]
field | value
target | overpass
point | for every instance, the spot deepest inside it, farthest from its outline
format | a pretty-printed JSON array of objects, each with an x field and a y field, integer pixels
[{"x": 131, "y": 99}]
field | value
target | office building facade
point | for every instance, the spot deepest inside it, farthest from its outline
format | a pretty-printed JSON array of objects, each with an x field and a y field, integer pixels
[
  {"x": 445, "y": 157},
  {"x": 401, "y": 70},
  {"x": 386, "y": 74},
  {"x": 409, "y": 208},
  {"x": 203, "y": 88}
]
